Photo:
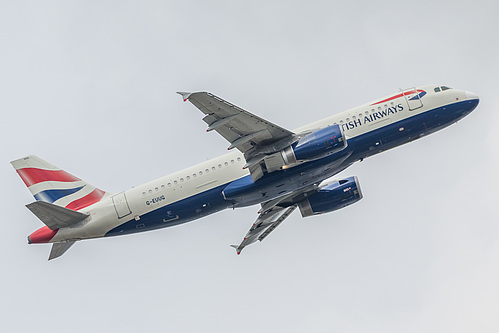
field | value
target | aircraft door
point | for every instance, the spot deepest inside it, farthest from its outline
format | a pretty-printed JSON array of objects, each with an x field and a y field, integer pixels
[
  {"x": 121, "y": 205},
  {"x": 413, "y": 98}
]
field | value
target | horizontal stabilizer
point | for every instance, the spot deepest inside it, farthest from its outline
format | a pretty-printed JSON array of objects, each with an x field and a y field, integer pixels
[
  {"x": 58, "y": 249},
  {"x": 54, "y": 216}
]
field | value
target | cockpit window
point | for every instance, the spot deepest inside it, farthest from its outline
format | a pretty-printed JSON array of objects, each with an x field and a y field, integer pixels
[
  {"x": 437, "y": 89},
  {"x": 445, "y": 88}
]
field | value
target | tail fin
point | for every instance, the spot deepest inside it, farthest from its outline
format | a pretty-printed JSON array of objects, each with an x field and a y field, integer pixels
[{"x": 48, "y": 183}]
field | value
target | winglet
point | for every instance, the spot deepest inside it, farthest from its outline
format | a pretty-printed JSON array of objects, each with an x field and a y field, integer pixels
[
  {"x": 185, "y": 95},
  {"x": 237, "y": 249}
]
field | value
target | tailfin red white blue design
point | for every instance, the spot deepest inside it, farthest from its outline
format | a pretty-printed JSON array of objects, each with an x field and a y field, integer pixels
[{"x": 50, "y": 184}]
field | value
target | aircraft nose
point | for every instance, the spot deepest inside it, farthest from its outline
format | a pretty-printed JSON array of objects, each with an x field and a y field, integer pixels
[{"x": 471, "y": 95}]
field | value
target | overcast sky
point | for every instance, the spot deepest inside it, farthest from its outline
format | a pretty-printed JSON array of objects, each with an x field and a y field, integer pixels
[{"x": 90, "y": 87}]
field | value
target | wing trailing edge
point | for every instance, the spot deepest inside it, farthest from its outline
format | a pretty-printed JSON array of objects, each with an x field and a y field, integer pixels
[{"x": 266, "y": 222}]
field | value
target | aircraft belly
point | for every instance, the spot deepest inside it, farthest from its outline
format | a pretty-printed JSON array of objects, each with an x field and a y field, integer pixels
[{"x": 182, "y": 211}]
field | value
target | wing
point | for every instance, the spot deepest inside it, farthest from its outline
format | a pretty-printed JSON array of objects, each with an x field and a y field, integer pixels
[
  {"x": 255, "y": 137},
  {"x": 272, "y": 214},
  {"x": 264, "y": 225}
]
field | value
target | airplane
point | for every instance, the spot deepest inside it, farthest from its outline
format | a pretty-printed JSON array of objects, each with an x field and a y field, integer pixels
[{"x": 279, "y": 169}]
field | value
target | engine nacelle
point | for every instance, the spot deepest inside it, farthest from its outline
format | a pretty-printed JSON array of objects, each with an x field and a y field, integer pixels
[
  {"x": 331, "y": 197},
  {"x": 316, "y": 145}
]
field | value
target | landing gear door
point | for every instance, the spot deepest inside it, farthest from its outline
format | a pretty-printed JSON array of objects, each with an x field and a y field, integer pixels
[
  {"x": 413, "y": 98},
  {"x": 121, "y": 205}
]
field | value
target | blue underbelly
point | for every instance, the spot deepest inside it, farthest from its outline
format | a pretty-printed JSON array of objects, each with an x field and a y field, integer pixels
[{"x": 185, "y": 210}]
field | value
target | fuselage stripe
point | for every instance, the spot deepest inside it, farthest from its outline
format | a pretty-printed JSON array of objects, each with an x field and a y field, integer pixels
[{"x": 405, "y": 93}]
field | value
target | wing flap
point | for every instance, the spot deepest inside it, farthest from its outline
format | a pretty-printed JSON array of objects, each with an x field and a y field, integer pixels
[
  {"x": 275, "y": 224},
  {"x": 54, "y": 216},
  {"x": 264, "y": 225}
]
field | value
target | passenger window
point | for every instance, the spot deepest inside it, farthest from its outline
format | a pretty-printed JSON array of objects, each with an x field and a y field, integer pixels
[
  {"x": 194, "y": 175},
  {"x": 143, "y": 193},
  {"x": 188, "y": 177},
  {"x": 232, "y": 161},
  {"x": 213, "y": 168},
  {"x": 220, "y": 166},
  {"x": 437, "y": 89},
  {"x": 169, "y": 184},
  {"x": 207, "y": 170},
  {"x": 200, "y": 173},
  {"x": 162, "y": 187},
  {"x": 239, "y": 159},
  {"x": 175, "y": 182},
  {"x": 226, "y": 163},
  {"x": 181, "y": 180},
  {"x": 156, "y": 189}
]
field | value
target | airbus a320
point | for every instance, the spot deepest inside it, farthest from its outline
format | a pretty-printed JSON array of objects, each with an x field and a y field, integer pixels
[{"x": 267, "y": 165}]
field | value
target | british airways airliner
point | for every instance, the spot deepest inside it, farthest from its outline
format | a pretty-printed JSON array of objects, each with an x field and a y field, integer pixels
[{"x": 266, "y": 164}]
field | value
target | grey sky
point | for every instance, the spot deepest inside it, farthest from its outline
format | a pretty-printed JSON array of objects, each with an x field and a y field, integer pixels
[{"x": 90, "y": 86}]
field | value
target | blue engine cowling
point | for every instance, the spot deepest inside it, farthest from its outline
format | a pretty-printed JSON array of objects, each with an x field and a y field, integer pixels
[
  {"x": 316, "y": 145},
  {"x": 332, "y": 197}
]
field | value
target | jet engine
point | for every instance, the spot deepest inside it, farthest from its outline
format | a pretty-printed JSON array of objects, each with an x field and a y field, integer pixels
[
  {"x": 315, "y": 145},
  {"x": 331, "y": 197}
]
